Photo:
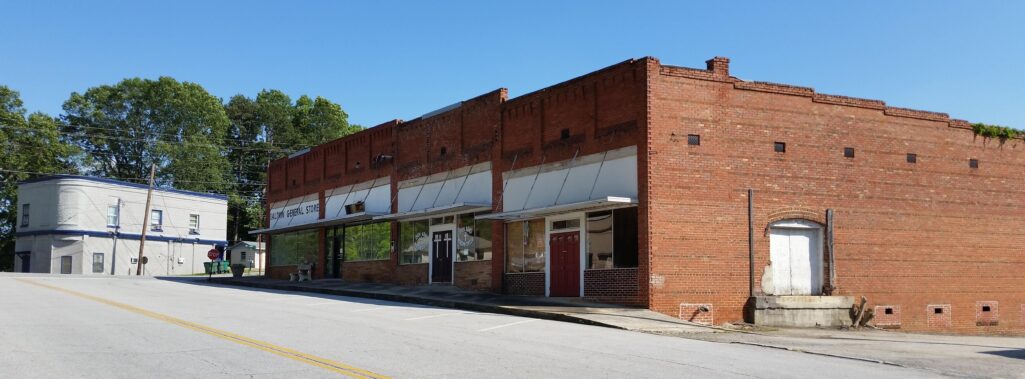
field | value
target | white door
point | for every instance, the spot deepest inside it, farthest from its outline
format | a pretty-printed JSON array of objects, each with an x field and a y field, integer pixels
[{"x": 796, "y": 255}]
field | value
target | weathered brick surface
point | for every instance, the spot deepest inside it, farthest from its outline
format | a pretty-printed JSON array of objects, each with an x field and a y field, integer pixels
[
  {"x": 987, "y": 313},
  {"x": 884, "y": 320},
  {"x": 697, "y": 313},
  {"x": 934, "y": 232},
  {"x": 473, "y": 275},
  {"x": 531, "y": 283},
  {"x": 412, "y": 274},
  {"x": 616, "y": 286},
  {"x": 939, "y": 316},
  {"x": 368, "y": 271}
]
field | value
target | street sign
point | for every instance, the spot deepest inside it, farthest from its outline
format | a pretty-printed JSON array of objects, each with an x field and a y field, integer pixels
[
  {"x": 213, "y": 254},
  {"x": 145, "y": 260}
]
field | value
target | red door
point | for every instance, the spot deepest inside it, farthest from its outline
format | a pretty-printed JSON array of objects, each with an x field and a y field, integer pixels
[{"x": 565, "y": 251}]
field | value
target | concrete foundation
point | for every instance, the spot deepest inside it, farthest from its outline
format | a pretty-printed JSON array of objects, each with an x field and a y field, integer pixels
[{"x": 801, "y": 311}]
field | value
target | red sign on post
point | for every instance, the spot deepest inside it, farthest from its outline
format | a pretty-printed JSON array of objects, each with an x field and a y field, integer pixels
[{"x": 213, "y": 254}]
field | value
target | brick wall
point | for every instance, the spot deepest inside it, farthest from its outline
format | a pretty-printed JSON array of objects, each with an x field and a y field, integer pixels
[
  {"x": 886, "y": 316},
  {"x": 368, "y": 271},
  {"x": 530, "y": 283},
  {"x": 616, "y": 286},
  {"x": 473, "y": 275},
  {"x": 907, "y": 235},
  {"x": 412, "y": 274}
]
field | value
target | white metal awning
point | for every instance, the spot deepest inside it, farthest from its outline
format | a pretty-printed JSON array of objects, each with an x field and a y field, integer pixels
[
  {"x": 431, "y": 212},
  {"x": 609, "y": 202},
  {"x": 347, "y": 219}
]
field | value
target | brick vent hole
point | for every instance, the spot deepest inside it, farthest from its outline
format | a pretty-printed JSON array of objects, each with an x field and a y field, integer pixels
[
  {"x": 938, "y": 311},
  {"x": 985, "y": 308},
  {"x": 888, "y": 311}
]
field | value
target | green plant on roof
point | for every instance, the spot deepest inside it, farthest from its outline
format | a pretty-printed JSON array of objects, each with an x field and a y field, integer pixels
[{"x": 994, "y": 131}]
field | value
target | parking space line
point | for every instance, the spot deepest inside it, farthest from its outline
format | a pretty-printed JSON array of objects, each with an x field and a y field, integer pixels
[
  {"x": 313, "y": 360},
  {"x": 322, "y": 303},
  {"x": 436, "y": 316},
  {"x": 505, "y": 325}
]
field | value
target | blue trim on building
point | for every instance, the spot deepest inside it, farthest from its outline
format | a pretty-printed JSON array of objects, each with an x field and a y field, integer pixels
[
  {"x": 93, "y": 233},
  {"x": 121, "y": 183}
]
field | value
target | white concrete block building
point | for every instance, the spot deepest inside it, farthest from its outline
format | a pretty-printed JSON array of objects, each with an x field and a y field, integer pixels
[{"x": 86, "y": 225}]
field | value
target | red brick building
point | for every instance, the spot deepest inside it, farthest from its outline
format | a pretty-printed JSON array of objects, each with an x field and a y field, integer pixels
[{"x": 631, "y": 185}]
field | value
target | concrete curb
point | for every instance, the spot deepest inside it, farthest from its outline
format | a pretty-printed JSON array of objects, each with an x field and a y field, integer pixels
[{"x": 443, "y": 303}]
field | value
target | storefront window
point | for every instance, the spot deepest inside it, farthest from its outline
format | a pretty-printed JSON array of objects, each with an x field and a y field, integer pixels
[
  {"x": 473, "y": 242},
  {"x": 367, "y": 242},
  {"x": 525, "y": 246},
  {"x": 413, "y": 242},
  {"x": 288, "y": 249},
  {"x": 599, "y": 240},
  {"x": 612, "y": 239}
]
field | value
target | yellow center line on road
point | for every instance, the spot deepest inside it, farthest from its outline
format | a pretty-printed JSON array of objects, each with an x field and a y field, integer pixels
[{"x": 323, "y": 363}]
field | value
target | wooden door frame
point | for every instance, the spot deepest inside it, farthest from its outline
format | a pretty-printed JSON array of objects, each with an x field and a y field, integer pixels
[
  {"x": 582, "y": 236},
  {"x": 452, "y": 247}
]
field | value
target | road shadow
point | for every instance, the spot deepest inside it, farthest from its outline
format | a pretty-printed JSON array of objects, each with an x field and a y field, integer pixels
[{"x": 1012, "y": 353}]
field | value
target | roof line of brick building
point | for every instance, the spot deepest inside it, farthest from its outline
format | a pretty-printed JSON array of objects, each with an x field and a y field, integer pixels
[{"x": 717, "y": 69}]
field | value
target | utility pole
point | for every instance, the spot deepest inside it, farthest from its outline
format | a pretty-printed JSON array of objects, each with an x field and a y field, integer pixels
[
  {"x": 145, "y": 220},
  {"x": 117, "y": 230}
]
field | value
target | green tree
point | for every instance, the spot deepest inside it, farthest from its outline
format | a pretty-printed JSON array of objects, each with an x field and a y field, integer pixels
[
  {"x": 28, "y": 145},
  {"x": 268, "y": 127},
  {"x": 124, "y": 128}
]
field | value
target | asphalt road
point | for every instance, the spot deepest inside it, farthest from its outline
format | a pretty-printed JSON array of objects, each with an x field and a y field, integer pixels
[{"x": 78, "y": 326}]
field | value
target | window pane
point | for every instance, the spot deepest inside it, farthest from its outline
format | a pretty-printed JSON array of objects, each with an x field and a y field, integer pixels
[
  {"x": 482, "y": 239},
  {"x": 112, "y": 213},
  {"x": 599, "y": 240},
  {"x": 24, "y": 214},
  {"x": 193, "y": 221},
  {"x": 514, "y": 246},
  {"x": 367, "y": 242},
  {"x": 625, "y": 226},
  {"x": 465, "y": 250},
  {"x": 413, "y": 240},
  {"x": 306, "y": 246},
  {"x": 97, "y": 262},
  {"x": 534, "y": 252}
]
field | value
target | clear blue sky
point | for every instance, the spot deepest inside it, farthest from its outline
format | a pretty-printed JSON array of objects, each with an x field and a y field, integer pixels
[{"x": 384, "y": 59}]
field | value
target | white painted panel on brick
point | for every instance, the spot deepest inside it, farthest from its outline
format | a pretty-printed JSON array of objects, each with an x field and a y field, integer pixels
[
  {"x": 590, "y": 177},
  {"x": 295, "y": 211},
  {"x": 375, "y": 195}
]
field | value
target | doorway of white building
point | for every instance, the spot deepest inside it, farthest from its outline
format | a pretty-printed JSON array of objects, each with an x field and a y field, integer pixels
[{"x": 796, "y": 256}]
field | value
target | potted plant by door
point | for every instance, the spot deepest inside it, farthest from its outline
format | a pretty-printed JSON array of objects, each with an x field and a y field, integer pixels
[{"x": 237, "y": 269}]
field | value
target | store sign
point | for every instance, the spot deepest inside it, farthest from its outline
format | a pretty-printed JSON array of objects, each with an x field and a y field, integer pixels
[{"x": 295, "y": 214}]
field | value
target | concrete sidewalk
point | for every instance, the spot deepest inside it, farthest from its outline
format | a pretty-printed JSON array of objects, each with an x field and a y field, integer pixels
[{"x": 559, "y": 309}]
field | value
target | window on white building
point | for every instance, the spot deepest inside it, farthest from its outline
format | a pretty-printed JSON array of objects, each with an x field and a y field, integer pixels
[
  {"x": 156, "y": 220},
  {"x": 97, "y": 262},
  {"x": 24, "y": 215},
  {"x": 113, "y": 215},
  {"x": 193, "y": 224}
]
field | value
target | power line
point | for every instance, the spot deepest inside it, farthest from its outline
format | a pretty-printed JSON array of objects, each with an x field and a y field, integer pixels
[{"x": 194, "y": 144}]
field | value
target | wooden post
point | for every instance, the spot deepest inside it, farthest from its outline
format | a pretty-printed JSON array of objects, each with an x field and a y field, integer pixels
[{"x": 145, "y": 220}]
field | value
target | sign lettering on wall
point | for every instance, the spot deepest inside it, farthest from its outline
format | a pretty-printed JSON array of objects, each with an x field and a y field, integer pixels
[{"x": 296, "y": 214}]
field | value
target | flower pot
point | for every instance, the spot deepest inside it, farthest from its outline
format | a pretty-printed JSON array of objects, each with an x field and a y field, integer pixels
[{"x": 237, "y": 270}]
